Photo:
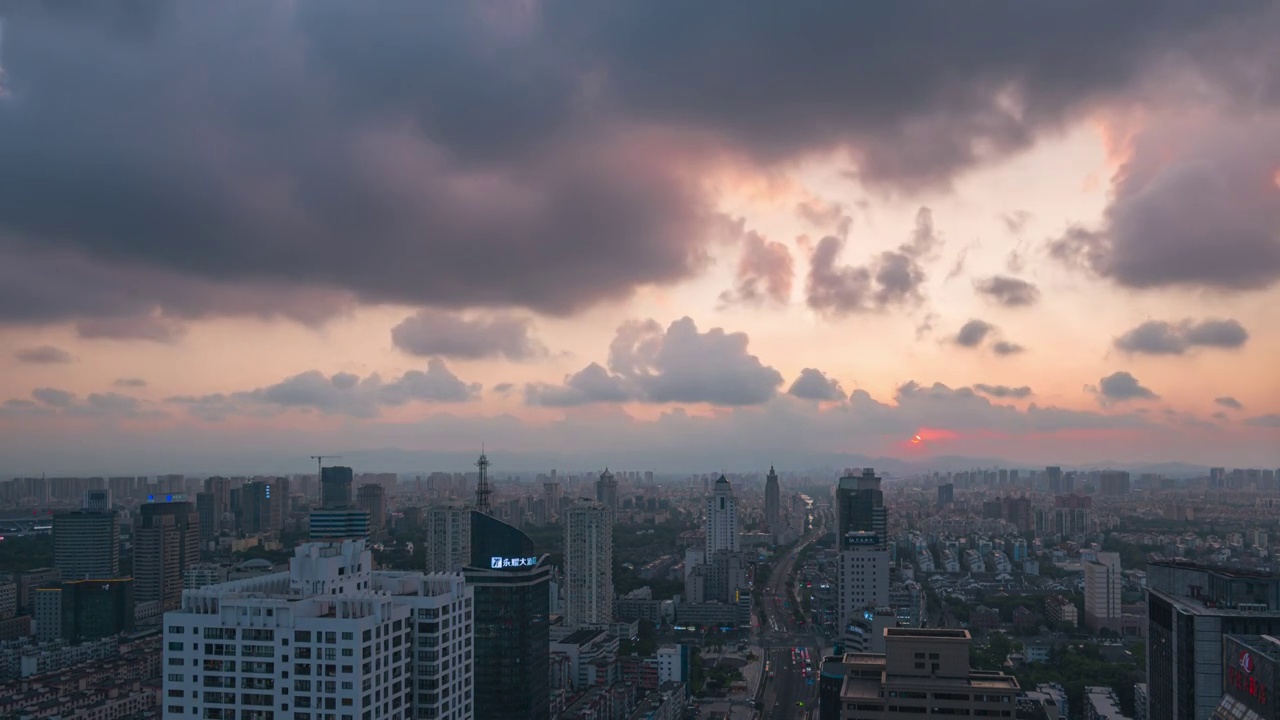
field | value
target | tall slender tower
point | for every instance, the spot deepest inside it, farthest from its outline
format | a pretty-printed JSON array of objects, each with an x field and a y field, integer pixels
[
  {"x": 607, "y": 490},
  {"x": 483, "y": 491},
  {"x": 772, "y": 504}
]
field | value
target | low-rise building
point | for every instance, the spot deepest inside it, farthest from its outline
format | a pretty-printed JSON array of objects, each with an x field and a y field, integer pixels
[{"x": 922, "y": 673}]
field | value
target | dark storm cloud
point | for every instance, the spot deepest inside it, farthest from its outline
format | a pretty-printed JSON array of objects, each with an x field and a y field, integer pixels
[
  {"x": 1229, "y": 402},
  {"x": 1008, "y": 291},
  {"x": 44, "y": 355},
  {"x": 1003, "y": 391},
  {"x": 435, "y": 333},
  {"x": 765, "y": 272},
  {"x": 1156, "y": 337},
  {"x": 893, "y": 279},
  {"x": 676, "y": 365},
  {"x": 1121, "y": 387},
  {"x": 1196, "y": 206},
  {"x": 463, "y": 155},
  {"x": 973, "y": 333},
  {"x": 953, "y": 85},
  {"x": 813, "y": 384},
  {"x": 338, "y": 394}
]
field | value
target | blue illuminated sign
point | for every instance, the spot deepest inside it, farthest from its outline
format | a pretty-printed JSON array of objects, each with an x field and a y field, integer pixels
[{"x": 499, "y": 563}]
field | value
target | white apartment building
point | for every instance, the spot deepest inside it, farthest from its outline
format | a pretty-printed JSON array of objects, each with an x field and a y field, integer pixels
[
  {"x": 1102, "y": 591},
  {"x": 588, "y": 564},
  {"x": 327, "y": 640},
  {"x": 673, "y": 663},
  {"x": 722, "y": 520},
  {"x": 448, "y": 536}
]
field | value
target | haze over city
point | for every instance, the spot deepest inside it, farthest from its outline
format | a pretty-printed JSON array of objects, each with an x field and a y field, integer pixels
[{"x": 246, "y": 233}]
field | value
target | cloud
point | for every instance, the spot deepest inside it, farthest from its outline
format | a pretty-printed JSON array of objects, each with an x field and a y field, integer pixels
[
  {"x": 1156, "y": 337},
  {"x": 1229, "y": 402},
  {"x": 678, "y": 365},
  {"x": 504, "y": 388},
  {"x": 1196, "y": 205},
  {"x": 592, "y": 384},
  {"x": 537, "y": 157},
  {"x": 434, "y": 333},
  {"x": 826, "y": 215},
  {"x": 152, "y": 327},
  {"x": 973, "y": 333},
  {"x": 765, "y": 272},
  {"x": 1121, "y": 386},
  {"x": 813, "y": 384},
  {"x": 893, "y": 279},
  {"x": 1003, "y": 391},
  {"x": 54, "y": 401},
  {"x": 1004, "y": 347},
  {"x": 1264, "y": 421},
  {"x": 338, "y": 394},
  {"x": 130, "y": 383},
  {"x": 1008, "y": 291},
  {"x": 1015, "y": 221},
  {"x": 44, "y": 355},
  {"x": 54, "y": 397}
]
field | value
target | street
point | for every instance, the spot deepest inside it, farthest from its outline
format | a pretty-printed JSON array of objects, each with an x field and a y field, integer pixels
[{"x": 794, "y": 653}]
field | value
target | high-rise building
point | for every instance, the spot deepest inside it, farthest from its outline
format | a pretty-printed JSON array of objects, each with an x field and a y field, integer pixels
[
  {"x": 1190, "y": 609},
  {"x": 1071, "y": 514},
  {"x": 97, "y": 500},
  {"x": 448, "y": 539},
  {"x": 722, "y": 519},
  {"x": 946, "y": 494},
  {"x": 863, "y": 571},
  {"x": 922, "y": 673},
  {"x": 261, "y": 507},
  {"x": 1053, "y": 473},
  {"x": 772, "y": 502},
  {"x": 1113, "y": 482},
  {"x": 335, "y": 487},
  {"x": 588, "y": 564},
  {"x": 86, "y": 544},
  {"x": 210, "y": 517},
  {"x": 1102, "y": 586},
  {"x": 330, "y": 636},
  {"x": 166, "y": 542},
  {"x": 97, "y": 608},
  {"x": 373, "y": 500},
  {"x": 607, "y": 491},
  {"x": 338, "y": 524},
  {"x": 512, "y": 662}
]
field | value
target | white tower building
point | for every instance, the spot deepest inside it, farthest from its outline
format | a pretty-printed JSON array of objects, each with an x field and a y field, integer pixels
[
  {"x": 448, "y": 537},
  {"x": 327, "y": 638},
  {"x": 588, "y": 564},
  {"x": 722, "y": 519}
]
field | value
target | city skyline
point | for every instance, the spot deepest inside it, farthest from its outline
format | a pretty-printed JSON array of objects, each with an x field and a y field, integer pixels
[{"x": 987, "y": 250}]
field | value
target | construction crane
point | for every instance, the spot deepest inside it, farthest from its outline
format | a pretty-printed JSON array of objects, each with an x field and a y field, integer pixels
[{"x": 320, "y": 460}]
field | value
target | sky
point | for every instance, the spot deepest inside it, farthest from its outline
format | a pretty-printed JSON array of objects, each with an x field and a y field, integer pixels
[{"x": 655, "y": 231}]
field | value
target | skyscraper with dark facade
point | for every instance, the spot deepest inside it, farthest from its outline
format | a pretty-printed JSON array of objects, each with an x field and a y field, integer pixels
[
  {"x": 166, "y": 543},
  {"x": 512, "y": 630},
  {"x": 1191, "y": 607},
  {"x": 772, "y": 502},
  {"x": 863, "y": 546},
  {"x": 335, "y": 487},
  {"x": 261, "y": 507}
]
